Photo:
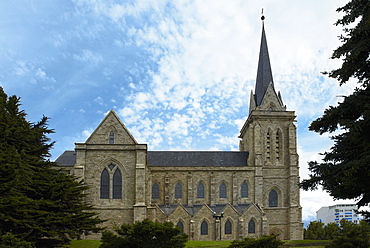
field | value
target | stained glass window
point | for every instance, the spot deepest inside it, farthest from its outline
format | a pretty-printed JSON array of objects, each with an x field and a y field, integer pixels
[
  {"x": 200, "y": 190},
  {"x": 104, "y": 185},
  {"x": 117, "y": 184}
]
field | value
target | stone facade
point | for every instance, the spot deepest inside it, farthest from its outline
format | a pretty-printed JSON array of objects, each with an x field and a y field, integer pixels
[{"x": 255, "y": 190}]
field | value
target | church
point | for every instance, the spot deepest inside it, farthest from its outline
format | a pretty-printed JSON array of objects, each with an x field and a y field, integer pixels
[{"x": 209, "y": 195}]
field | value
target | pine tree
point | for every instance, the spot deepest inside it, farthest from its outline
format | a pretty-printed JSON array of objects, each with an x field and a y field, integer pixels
[
  {"x": 36, "y": 201},
  {"x": 345, "y": 171}
]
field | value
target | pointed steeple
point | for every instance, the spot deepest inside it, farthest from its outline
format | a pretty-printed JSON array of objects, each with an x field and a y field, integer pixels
[{"x": 264, "y": 74}]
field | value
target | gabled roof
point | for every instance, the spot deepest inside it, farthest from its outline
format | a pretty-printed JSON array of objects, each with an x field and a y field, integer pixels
[
  {"x": 194, "y": 209},
  {"x": 264, "y": 73},
  {"x": 111, "y": 121},
  {"x": 196, "y": 158},
  {"x": 240, "y": 208}
]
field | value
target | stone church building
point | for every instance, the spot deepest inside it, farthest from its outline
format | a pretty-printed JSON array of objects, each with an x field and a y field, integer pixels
[{"x": 209, "y": 195}]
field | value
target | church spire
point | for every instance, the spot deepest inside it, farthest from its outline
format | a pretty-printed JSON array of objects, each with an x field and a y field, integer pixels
[{"x": 264, "y": 74}]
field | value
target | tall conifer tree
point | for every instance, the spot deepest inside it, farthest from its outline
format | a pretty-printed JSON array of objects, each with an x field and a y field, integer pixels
[
  {"x": 36, "y": 201},
  {"x": 345, "y": 170}
]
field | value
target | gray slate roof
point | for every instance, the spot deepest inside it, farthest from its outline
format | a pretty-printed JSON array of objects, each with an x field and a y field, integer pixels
[
  {"x": 264, "y": 73},
  {"x": 177, "y": 158},
  {"x": 67, "y": 159},
  {"x": 196, "y": 158},
  {"x": 218, "y": 208}
]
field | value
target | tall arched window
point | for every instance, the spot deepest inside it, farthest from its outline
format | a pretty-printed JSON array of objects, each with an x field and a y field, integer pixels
[
  {"x": 277, "y": 145},
  {"x": 273, "y": 198},
  {"x": 104, "y": 184},
  {"x": 111, "y": 137},
  {"x": 251, "y": 227},
  {"x": 181, "y": 226},
  {"x": 228, "y": 227},
  {"x": 155, "y": 191},
  {"x": 178, "y": 191},
  {"x": 244, "y": 190},
  {"x": 222, "y": 190},
  {"x": 200, "y": 190},
  {"x": 117, "y": 184},
  {"x": 204, "y": 228},
  {"x": 268, "y": 145}
]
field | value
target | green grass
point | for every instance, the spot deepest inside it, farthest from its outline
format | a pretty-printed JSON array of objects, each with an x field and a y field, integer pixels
[
  {"x": 194, "y": 243},
  {"x": 88, "y": 243},
  {"x": 84, "y": 243},
  {"x": 304, "y": 243}
]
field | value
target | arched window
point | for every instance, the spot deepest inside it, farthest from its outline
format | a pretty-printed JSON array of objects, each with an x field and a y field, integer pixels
[
  {"x": 155, "y": 191},
  {"x": 200, "y": 190},
  {"x": 222, "y": 190},
  {"x": 228, "y": 227},
  {"x": 268, "y": 145},
  {"x": 273, "y": 198},
  {"x": 178, "y": 191},
  {"x": 117, "y": 184},
  {"x": 251, "y": 227},
  {"x": 244, "y": 190},
  {"x": 204, "y": 228},
  {"x": 277, "y": 147},
  {"x": 111, "y": 137},
  {"x": 181, "y": 226},
  {"x": 104, "y": 184}
]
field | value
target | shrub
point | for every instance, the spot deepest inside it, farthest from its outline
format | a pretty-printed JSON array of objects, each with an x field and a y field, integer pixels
[
  {"x": 8, "y": 240},
  {"x": 264, "y": 241},
  {"x": 145, "y": 234},
  {"x": 351, "y": 235}
]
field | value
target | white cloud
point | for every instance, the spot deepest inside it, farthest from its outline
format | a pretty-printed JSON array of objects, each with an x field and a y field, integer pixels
[
  {"x": 21, "y": 68},
  {"x": 99, "y": 100},
  {"x": 88, "y": 56}
]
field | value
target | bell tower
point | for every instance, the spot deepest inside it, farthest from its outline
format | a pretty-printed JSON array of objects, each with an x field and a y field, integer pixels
[{"x": 269, "y": 135}]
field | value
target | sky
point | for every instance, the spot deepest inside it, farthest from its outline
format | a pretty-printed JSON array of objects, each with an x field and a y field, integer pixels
[{"x": 178, "y": 73}]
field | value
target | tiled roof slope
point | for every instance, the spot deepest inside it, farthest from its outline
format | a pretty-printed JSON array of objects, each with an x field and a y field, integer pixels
[
  {"x": 177, "y": 158},
  {"x": 67, "y": 159},
  {"x": 196, "y": 158}
]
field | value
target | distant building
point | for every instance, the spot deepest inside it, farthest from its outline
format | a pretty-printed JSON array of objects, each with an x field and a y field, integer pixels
[{"x": 337, "y": 212}]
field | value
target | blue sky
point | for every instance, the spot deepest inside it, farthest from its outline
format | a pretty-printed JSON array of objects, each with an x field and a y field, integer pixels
[{"x": 178, "y": 73}]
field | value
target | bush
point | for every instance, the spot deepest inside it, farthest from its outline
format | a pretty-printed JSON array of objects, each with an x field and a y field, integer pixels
[
  {"x": 145, "y": 234},
  {"x": 351, "y": 235},
  {"x": 264, "y": 241},
  {"x": 317, "y": 231},
  {"x": 10, "y": 241}
]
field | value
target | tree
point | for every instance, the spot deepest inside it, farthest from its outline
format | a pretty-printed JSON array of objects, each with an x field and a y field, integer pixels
[
  {"x": 315, "y": 231},
  {"x": 318, "y": 231},
  {"x": 351, "y": 235},
  {"x": 36, "y": 201},
  {"x": 331, "y": 230},
  {"x": 10, "y": 241},
  {"x": 264, "y": 241},
  {"x": 145, "y": 234},
  {"x": 344, "y": 172}
]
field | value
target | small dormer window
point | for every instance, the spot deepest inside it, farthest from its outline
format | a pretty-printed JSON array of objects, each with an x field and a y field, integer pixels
[
  {"x": 111, "y": 137},
  {"x": 271, "y": 109}
]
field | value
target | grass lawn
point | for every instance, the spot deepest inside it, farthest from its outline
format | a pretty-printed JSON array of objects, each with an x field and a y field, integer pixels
[
  {"x": 305, "y": 243},
  {"x": 193, "y": 243},
  {"x": 84, "y": 243},
  {"x": 88, "y": 243}
]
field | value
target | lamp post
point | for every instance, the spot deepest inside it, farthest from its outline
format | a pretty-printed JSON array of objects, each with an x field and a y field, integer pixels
[{"x": 218, "y": 218}]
